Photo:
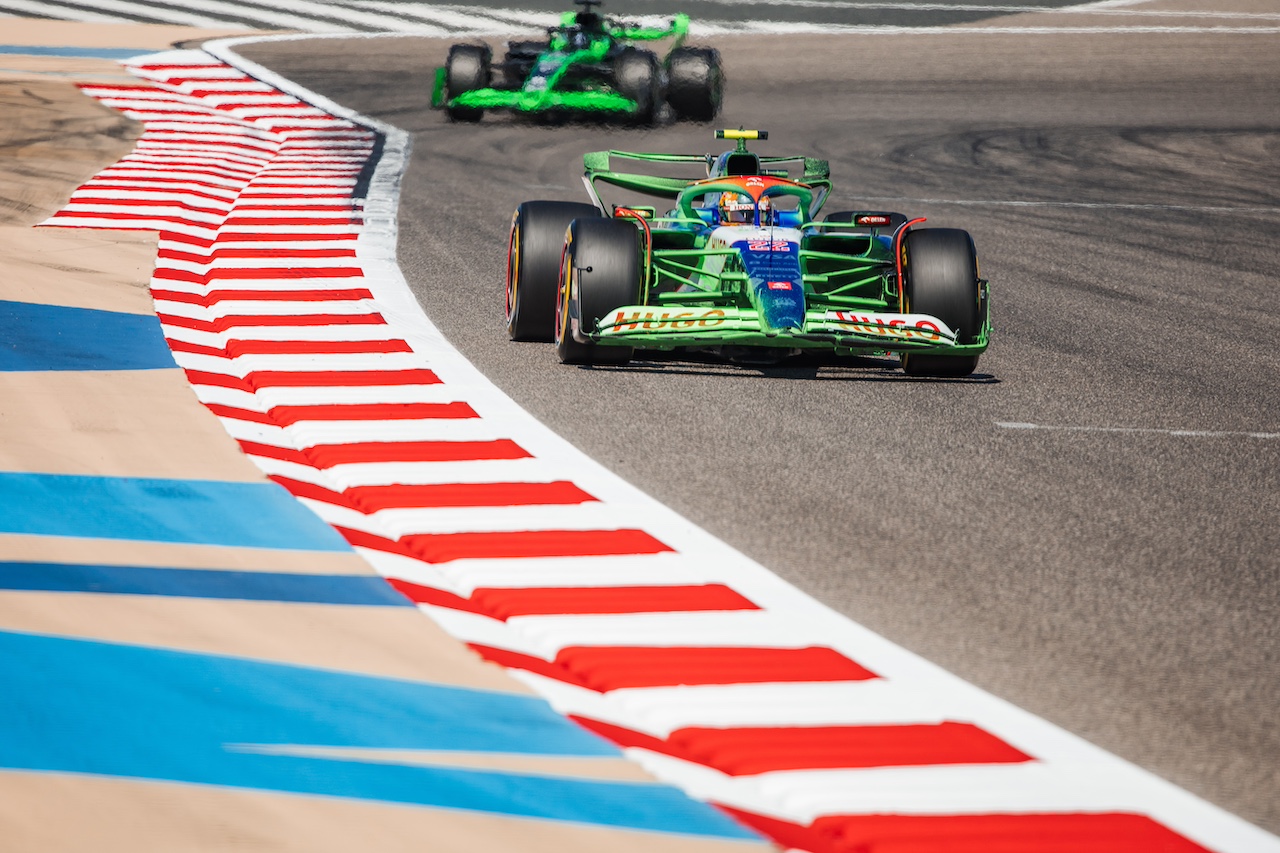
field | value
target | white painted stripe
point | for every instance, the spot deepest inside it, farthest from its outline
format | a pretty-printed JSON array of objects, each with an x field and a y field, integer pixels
[
  {"x": 221, "y": 192},
  {"x": 308, "y": 396},
  {"x": 779, "y": 28},
  {"x": 53, "y": 9},
  {"x": 266, "y": 284},
  {"x": 143, "y": 171},
  {"x": 232, "y": 167},
  {"x": 277, "y": 333},
  {"x": 365, "y": 19},
  {"x": 1107, "y": 4},
  {"x": 545, "y": 636},
  {"x": 1105, "y": 8},
  {"x": 132, "y": 12},
  {"x": 182, "y": 199},
  {"x": 658, "y": 711},
  {"x": 424, "y": 17},
  {"x": 668, "y": 567},
  {"x": 276, "y": 19},
  {"x": 312, "y": 433},
  {"x": 430, "y": 19},
  {"x": 964, "y": 789},
  {"x": 316, "y": 432},
  {"x": 221, "y": 251},
  {"x": 342, "y": 477},
  {"x": 178, "y": 210},
  {"x": 394, "y": 523},
  {"x": 467, "y": 19},
  {"x": 392, "y": 565},
  {"x": 233, "y": 228},
  {"x": 1177, "y": 433},
  {"x": 1086, "y": 205},
  {"x": 246, "y": 364},
  {"x": 128, "y": 225},
  {"x": 264, "y": 310}
]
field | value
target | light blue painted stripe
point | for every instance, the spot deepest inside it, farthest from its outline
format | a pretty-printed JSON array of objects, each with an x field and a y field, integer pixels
[
  {"x": 74, "y": 52},
  {"x": 55, "y": 337},
  {"x": 198, "y": 512},
  {"x": 201, "y": 583},
  {"x": 78, "y": 706}
]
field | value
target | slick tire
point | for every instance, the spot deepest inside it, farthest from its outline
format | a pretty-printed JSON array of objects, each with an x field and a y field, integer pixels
[
  {"x": 940, "y": 272},
  {"x": 599, "y": 273},
  {"x": 638, "y": 75},
  {"x": 695, "y": 83},
  {"x": 466, "y": 70},
  {"x": 533, "y": 265}
]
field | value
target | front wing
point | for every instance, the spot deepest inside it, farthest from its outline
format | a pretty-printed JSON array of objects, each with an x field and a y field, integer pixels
[
  {"x": 591, "y": 101},
  {"x": 854, "y": 332}
]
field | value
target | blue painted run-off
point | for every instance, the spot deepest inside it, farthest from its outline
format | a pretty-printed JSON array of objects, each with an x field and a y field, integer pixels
[
  {"x": 197, "y": 512},
  {"x": 79, "y": 706},
  {"x": 201, "y": 583},
  {"x": 55, "y": 337},
  {"x": 74, "y": 52}
]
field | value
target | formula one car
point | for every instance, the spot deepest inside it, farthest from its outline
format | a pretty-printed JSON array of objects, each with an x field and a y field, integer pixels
[
  {"x": 742, "y": 267},
  {"x": 587, "y": 66}
]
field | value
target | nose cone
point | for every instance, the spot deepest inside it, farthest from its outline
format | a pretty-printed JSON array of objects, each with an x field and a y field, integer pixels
[
  {"x": 772, "y": 263},
  {"x": 781, "y": 304}
]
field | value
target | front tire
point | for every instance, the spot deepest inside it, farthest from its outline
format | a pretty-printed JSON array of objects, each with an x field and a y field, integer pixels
[
  {"x": 466, "y": 70},
  {"x": 638, "y": 76},
  {"x": 941, "y": 278},
  {"x": 600, "y": 272},
  {"x": 533, "y": 265},
  {"x": 695, "y": 83}
]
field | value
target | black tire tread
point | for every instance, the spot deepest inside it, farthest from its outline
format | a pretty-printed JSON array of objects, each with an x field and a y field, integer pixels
[
  {"x": 695, "y": 83},
  {"x": 466, "y": 69},
  {"x": 638, "y": 76},
  {"x": 942, "y": 280}
]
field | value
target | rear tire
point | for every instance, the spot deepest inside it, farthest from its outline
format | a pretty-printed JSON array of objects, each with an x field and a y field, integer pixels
[
  {"x": 466, "y": 70},
  {"x": 600, "y": 272},
  {"x": 638, "y": 76},
  {"x": 695, "y": 83},
  {"x": 533, "y": 265},
  {"x": 941, "y": 278}
]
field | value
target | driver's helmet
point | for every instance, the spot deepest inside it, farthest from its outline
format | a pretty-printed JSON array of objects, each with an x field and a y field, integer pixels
[
  {"x": 577, "y": 39},
  {"x": 737, "y": 209}
]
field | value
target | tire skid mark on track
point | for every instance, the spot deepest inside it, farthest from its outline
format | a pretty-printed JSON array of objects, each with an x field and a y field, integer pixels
[
  {"x": 1175, "y": 433},
  {"x": 706, "y": 668},
  {"x": 1084, "y": 205}
]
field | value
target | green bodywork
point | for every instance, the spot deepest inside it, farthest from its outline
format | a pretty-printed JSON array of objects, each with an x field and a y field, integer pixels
[
  {"x": 543, "y": 89},
  {"x": 695, "y": 294}
]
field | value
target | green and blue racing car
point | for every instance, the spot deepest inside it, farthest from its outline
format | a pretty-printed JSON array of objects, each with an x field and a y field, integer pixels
[
  {"x": 590, "y": 65},
  {"x": 741, "y": 266}
]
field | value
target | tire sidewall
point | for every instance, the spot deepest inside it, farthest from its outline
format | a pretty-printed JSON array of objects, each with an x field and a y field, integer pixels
[{"x": 533, "y": 265}]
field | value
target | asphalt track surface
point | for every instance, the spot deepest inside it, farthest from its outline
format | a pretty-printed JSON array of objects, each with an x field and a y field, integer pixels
[{"x": 1111, "y": 575}]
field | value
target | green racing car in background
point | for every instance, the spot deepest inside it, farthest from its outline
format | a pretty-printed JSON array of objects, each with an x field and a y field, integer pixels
[
  {"x": 742, "y": 267},
  {"x": 587, "y": 66}
]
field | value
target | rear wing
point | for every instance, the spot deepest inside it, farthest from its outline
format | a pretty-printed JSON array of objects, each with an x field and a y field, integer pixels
[{"x": 599, "y": 167}]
